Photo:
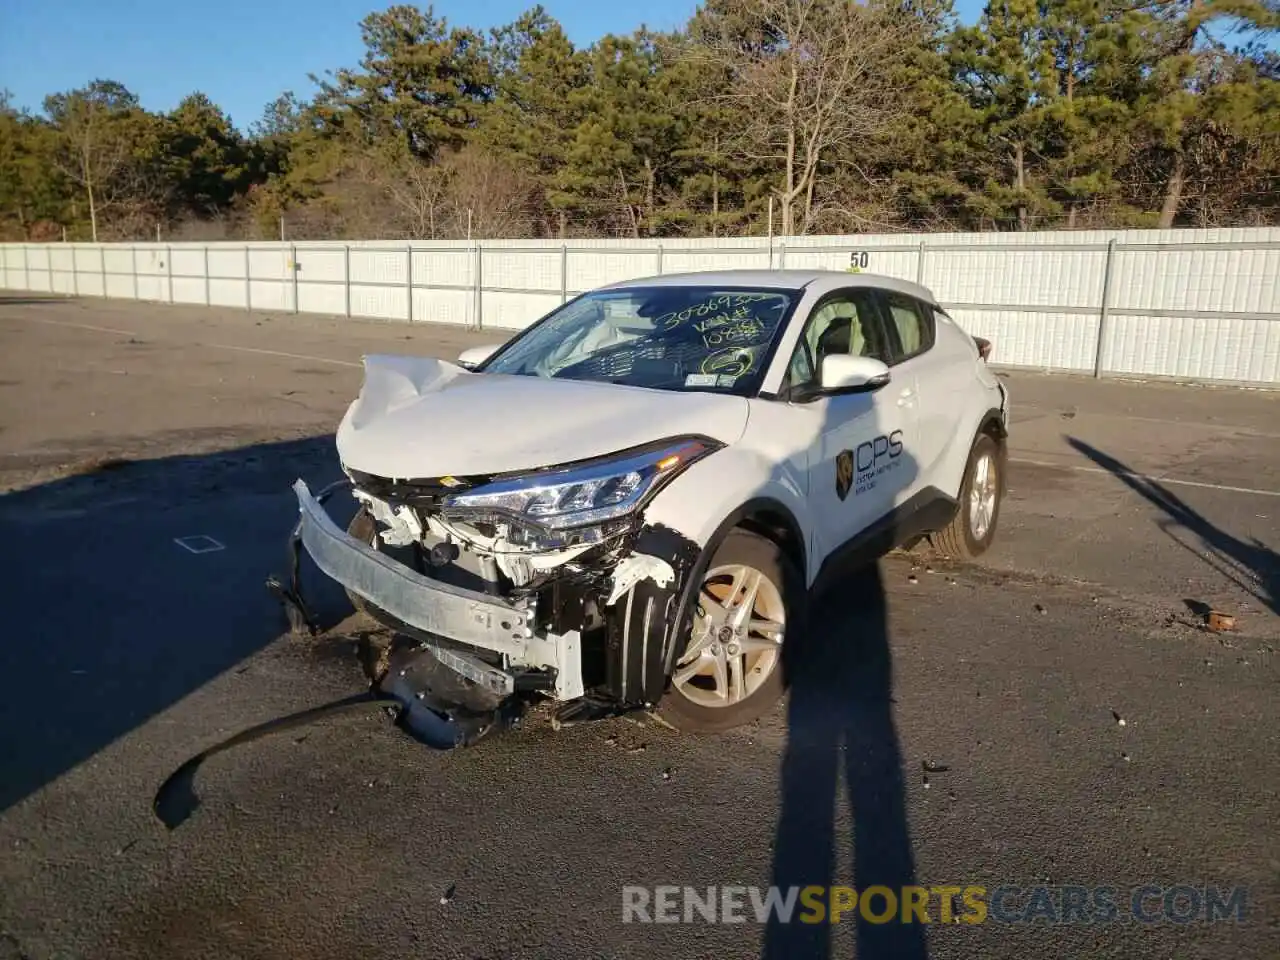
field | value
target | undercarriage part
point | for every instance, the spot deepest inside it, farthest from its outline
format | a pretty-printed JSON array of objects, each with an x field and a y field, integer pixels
[
  {"x": 441, "y": 708},
  {"x": 487, "y": 677},
  {"x": 587, "y": 709},
  {"x": 290, "y": 595},
  {"x": 644, "y": 627}
]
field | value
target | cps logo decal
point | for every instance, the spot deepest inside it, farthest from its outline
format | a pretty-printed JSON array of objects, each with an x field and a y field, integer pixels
[
  {"x": 844, "y": 473},
  {"x": 861, "y": 468},
  {"x": 874, "y": 453}
]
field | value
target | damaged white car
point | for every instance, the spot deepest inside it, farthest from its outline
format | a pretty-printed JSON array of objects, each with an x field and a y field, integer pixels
[{"x": 628, "y": 503}]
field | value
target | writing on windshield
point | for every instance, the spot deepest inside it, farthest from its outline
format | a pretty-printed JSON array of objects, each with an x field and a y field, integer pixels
[{"x": 714, "y": 309}]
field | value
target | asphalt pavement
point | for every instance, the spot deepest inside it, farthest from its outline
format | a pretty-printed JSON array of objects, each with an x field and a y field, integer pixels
[{"x": 952, "y": 725}]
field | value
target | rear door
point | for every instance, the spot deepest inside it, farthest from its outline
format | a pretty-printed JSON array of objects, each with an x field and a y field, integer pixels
[{"x": 926, "y": 378}]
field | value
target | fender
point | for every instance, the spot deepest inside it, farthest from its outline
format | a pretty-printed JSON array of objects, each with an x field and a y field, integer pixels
[
  {"x": 699, "y": 501},
  {"x": 995, "y": 420},
  {"x": 684, "y": 525},
  {"x": 957, "y": 455}
]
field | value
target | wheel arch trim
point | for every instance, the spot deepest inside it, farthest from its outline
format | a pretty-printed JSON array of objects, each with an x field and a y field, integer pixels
[{"x": 754, "y": 507}]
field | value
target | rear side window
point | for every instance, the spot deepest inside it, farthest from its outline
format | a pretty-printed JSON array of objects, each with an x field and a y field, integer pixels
[{"x": 912, "y": 322}]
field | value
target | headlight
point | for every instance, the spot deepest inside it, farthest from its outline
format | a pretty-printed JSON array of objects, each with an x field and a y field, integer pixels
[{"x": 587, "y": 494}]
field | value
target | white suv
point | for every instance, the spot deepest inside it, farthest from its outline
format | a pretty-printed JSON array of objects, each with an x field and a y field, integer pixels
[{"x": 628, "y": 502}]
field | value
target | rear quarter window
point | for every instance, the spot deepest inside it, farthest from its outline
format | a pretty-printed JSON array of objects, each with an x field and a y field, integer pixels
[{"x": 913, "y": 324}]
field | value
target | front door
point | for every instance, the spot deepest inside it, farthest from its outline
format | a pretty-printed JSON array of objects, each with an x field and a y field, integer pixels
[{"x": 861, "y": 460}]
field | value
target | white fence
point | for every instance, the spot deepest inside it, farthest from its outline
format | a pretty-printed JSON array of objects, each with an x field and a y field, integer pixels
[{"x": 1188, "y": 304}]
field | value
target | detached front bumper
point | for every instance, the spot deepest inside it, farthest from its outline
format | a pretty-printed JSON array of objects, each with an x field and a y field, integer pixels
[{"x": 442, "y": 610}]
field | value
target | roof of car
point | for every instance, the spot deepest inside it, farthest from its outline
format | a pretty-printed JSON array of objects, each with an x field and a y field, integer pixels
[{"x": 820, "y": 281}]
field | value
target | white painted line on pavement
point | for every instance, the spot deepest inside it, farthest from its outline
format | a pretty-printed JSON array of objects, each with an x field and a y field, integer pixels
[
  {"x": 78, "y": 326},
  {"x": 281, "y": 353},
  {"x": 218, "y": 346},
  {"x": 1147, "y": 477},
  {"x": 199, "y": 543}
]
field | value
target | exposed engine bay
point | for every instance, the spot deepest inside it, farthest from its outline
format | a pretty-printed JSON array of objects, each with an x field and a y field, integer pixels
[
  {"x": 501, "y": 555},
  {"x": 587, "y": 615}
]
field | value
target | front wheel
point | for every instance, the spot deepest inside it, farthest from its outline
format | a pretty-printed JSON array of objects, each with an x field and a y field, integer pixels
[
  {"x": 973, "y": 529},
  {"x": 730, "y": 672}
]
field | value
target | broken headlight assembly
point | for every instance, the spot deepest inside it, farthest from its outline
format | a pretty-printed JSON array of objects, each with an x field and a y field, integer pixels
[{"x": 554, "y": 506}]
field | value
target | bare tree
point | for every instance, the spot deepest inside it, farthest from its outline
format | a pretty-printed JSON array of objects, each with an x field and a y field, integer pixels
[
  {"x": 428, "y": 200},
  {"x": 808, "y": 76},
  {"x": 501, "y": 198},
  {"x": 94, "y": 152},
  {"x": 93, "y": 156},
  {"x": 415, "y": 190}
]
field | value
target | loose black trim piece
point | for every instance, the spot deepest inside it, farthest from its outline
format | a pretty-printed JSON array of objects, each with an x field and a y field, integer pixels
[
  {"x": 176, "y": 799},
  {"x": 290, "y": 595},
  {"x": 431, "y": 703}
]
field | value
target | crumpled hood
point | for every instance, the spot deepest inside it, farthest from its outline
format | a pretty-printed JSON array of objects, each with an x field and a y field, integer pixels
[{"x": 423, "y": 417}]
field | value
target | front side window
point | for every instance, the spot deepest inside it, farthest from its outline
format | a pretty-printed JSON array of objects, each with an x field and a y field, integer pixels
[
  {"x": 661, "y": 337},
  {"x": 844, "y": 324}
]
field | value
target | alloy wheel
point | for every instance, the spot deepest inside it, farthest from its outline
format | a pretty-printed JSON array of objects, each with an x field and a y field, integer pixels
[
  {"x": 736, "y": 642},
  {"x": 982, "y": 496}
]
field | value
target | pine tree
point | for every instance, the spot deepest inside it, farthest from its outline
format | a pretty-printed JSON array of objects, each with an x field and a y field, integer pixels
[
  {"x": 1006, "y": 70},
  {"x": 419, "y": 80},
  {"x": 536, "y": 109}
]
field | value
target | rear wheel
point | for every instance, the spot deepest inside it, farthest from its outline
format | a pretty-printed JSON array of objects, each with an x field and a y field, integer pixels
[
  {"x": 730, "y": 672},
  {"x": 973, "y": 528}
]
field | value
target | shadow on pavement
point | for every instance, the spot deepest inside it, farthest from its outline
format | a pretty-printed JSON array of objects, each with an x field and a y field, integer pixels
[
  {"x": 111, "y": 621},
  {"x": 1252, "y": 566},
  {"x": 29, "y": 301},
  {"x": 840, "y": 725}
]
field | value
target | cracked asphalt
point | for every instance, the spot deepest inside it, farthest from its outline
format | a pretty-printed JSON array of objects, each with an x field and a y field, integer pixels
[{"x": 1132, "y": 507}]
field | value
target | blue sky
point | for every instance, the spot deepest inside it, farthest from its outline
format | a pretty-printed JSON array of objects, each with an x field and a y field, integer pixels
[{"x": 243, "y": 53}]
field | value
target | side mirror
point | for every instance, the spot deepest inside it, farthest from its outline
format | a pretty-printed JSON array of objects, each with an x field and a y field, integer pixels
[
  {"x": 472, "y": 358},
  {"x": 841, "y": 373}
]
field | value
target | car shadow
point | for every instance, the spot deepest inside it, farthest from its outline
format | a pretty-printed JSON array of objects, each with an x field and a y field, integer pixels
[
  {"x": 111, "y": 620},
  {"x": 1252, "y": 566}
]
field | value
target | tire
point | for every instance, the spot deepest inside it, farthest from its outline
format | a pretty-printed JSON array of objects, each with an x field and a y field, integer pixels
[
  {"x": 966, "y": 538},
  {"x": 703, "y": 697}
]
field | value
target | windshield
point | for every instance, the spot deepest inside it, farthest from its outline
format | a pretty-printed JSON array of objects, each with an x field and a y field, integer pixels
[{"x": 662, "y": 337}]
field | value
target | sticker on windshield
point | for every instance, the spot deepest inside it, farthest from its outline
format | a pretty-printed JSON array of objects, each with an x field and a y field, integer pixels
[
  {"x": 620, "y": 309},
  {"x": 702, "y": 380},
  {"x": 726, "y": 380},
  {"x": 733, "y": 362}
]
